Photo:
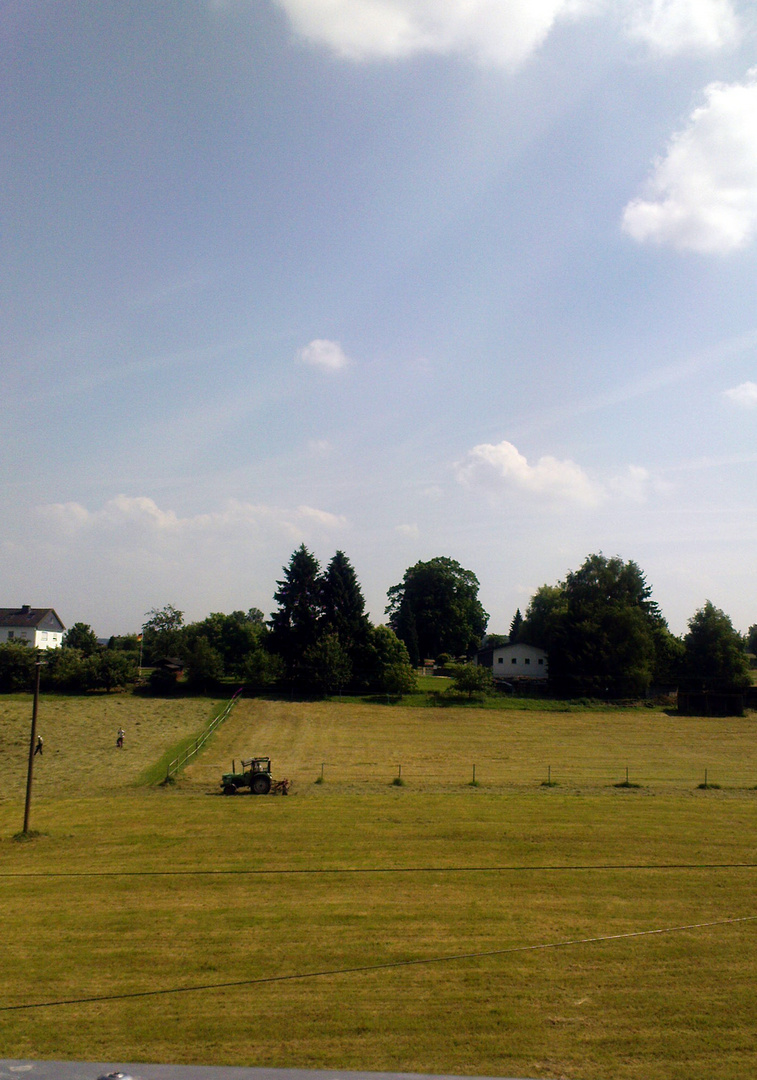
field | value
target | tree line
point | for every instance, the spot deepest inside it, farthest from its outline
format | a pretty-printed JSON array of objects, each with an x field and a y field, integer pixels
[{"x": 604, "y": 634}]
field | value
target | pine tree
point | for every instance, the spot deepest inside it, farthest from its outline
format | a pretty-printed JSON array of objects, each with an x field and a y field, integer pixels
[
  {"x": 296, "y": 625},
  {"x": 344, "y": 608}
]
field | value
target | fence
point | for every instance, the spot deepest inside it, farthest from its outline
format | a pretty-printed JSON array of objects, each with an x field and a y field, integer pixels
[
  {"x": 179, "y": 762},
  {"x": 495, "y": 775}
]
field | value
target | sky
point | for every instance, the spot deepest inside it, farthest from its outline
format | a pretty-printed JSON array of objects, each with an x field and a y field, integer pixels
[{"x": 401, "y": 278}]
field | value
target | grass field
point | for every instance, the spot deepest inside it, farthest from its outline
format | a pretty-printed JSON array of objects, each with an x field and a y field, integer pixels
[{"x": 432, "y": 927}]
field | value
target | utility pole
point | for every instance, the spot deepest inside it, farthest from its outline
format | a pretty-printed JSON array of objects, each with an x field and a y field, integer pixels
[{"x": 32, "y": 744}]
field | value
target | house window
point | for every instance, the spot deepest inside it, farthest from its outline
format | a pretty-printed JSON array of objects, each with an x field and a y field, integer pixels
[
  {"x": 11, "y": 635},
  {"x": 541, "y": 661},
  {"x": 514, "y": 660},
  {"x": 501, "y": 660},
  {"x": 44, "y": 636},
  {"x": 528, "y": 659}
]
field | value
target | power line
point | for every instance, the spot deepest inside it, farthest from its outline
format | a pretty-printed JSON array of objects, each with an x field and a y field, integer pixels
[
  {"x": 394, "y": 964},
  {"x": 315, "y": 871}
]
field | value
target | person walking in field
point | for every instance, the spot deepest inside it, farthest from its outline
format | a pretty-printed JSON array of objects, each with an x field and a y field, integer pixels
[
  {"x": 120, "y": 738},
  {"x": 38, "y": 747}
]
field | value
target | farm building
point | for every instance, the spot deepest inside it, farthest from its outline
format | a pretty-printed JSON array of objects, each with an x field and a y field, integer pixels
[
  {"x": 39, "y": 627},
  {"x": 520, "y": 661}
]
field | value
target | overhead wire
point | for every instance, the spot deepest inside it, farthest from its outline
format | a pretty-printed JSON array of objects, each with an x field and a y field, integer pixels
[
  {"x": 315, "y": 871},
  {"x": 364, "y": 968}
]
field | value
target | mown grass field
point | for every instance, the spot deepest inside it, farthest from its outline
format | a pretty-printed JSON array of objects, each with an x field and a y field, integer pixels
[{"x": 432, "y": 927}]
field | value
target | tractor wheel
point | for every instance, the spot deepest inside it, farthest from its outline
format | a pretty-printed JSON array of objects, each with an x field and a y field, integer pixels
[
  {"x": 229, "y": 789},
  {"x": 261, "y": 784}
]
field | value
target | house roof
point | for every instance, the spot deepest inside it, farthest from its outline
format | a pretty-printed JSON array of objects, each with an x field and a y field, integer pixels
[{"x": 31, "y": 618}]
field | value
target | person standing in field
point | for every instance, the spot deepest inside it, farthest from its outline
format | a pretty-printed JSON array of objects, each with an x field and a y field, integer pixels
[
  {"x": 38, "y": 747},
  {"x": 120, "y": 738}
]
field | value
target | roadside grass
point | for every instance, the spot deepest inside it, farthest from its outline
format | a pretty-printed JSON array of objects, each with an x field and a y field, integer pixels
[{"x": 476, "y": 891}]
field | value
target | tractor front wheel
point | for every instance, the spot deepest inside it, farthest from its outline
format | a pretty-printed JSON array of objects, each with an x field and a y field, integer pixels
[{"x": 229, "y": 789}]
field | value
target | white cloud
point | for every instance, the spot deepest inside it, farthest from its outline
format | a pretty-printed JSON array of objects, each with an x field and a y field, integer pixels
[
  {"x": 674, "y": 26},
  {"x": 322, "y": 517},
  {"x": 319, "y": 448},
  {"x": 499, "y": 466},
  {"x": 495, "y": 469},
  {"x": 702, "y": 196},
  {"x": 139, "y": 520},
  {"x": 632, "y": 485},
  {"x": 491, "y": 31},
  {"x": 744, "y": 395},
  {"x": 324, "y": 354},
  {"x": 500, "y": 32},
  {"x": 412, "y": 532}
]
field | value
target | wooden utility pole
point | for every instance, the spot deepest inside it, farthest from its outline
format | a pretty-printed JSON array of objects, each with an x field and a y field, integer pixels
[{"x": 32, "y": 746}]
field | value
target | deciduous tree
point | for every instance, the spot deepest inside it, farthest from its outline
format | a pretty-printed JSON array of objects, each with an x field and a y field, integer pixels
[
  {"x": 435, "y": 609},
  {"x": 715, "y": 659},
  {"x": 81, "y": 636}
]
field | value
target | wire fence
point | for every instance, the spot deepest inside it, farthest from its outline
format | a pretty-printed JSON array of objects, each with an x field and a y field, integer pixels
[
  {"x": 492, "y": 775},
  {"x": 191, "y": 751}
]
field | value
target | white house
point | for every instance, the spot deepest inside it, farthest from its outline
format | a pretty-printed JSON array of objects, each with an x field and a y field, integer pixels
[
  {"x": 519, "y": 662},
  {"x": 39, "y": 627}
]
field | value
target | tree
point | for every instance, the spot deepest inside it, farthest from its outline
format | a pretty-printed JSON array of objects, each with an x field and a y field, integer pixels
[
  {"x": 343, "y": 604},
  {"x": 162, "y": 634},
  {"x": 232, "y": 637},
  {"x": 69, "y": 671},
  {"x": 751, "y": 640},
  {"x": 435, "y": 609},
  {"x": 295, "y": 627},
  {"x": 471, "y": 679},
  {"x": 17, "y": 662},
  {"x": 203, "y": 665},
  {"x": 715, "y": 659},
  {"x": 115, "y": 668},
  {"x": 328, "y": 665},
  {"x": 545, "y": 613},
  {"x": 389, "y": 670},
  {"x": 516, "y": 626},
  {"x": 82, "y": 637},
  {"x": 261, "y": 668},
  {"x": 604, "y": 634}
]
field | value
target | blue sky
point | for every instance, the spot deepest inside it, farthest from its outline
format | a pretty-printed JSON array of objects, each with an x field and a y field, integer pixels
[{"x": 404, "y": 278}]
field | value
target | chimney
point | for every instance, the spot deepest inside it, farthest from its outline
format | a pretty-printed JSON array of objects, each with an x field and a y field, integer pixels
[{"x": 25, "y": 608}]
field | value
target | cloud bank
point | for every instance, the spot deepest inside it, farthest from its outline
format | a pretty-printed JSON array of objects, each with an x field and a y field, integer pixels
[
  {"x": 136, "y": 521},
  {"x": 500, "y": 32},
  {"x": 702, "y": 196},
  {"x": 498, "y": 468}
]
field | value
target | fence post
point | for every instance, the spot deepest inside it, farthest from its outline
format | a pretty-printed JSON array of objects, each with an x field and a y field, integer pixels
[{"x": 474, "y": 774}]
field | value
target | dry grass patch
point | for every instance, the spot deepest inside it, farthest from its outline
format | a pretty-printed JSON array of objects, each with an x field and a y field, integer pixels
[
  {"x": 161, "y": 891},
  {"x": 80, "y": 753},
  {"x": 361, "y": 747}
]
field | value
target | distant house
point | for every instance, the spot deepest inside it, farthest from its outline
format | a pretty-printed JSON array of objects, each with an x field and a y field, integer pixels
[
  {"x": 513, "y": 662},
  {"x": 39, "y": 627}
]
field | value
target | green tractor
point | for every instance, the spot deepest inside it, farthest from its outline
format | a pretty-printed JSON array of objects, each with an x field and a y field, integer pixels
[{"x": 255, "y": 775}]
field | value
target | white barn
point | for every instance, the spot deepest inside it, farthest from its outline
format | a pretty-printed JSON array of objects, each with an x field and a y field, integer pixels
[{"x": 519, "y": 662}]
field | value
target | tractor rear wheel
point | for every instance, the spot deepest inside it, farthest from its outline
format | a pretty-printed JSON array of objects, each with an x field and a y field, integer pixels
[
  {"x": 229, "y": 789},
  {"x": 261, "y": 784}
]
